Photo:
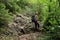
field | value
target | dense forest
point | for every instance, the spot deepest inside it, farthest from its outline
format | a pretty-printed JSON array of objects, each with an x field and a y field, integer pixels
[{"x": 49, "y": 14}]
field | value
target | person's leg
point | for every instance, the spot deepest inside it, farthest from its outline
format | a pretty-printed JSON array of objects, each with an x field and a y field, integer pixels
[
  {"x": 38, "y": 25},
  {"x": 35, "y": 26}
]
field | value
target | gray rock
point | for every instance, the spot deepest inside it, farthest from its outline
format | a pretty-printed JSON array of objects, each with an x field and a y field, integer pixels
[{"x": 21, "y": 22}]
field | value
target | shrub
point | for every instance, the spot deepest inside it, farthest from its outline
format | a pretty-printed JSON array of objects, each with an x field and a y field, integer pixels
[{"x": 5, "y": 17}]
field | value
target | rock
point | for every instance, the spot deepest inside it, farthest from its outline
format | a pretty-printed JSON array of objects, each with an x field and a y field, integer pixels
[{"x": 20, "y": 24}]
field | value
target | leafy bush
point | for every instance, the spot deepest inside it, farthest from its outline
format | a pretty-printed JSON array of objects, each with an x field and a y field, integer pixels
[{"x": 5, "y": 17}]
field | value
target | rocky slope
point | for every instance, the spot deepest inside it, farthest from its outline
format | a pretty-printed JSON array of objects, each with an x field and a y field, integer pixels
[
  {"x": 21, "y": 24},
  {"x": 20, "y": 29}
]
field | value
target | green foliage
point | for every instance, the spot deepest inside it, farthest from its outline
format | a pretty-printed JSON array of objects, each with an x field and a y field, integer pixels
[
  {"x": 53, "y": 17},
  {"x": 49, "y": 13},
  {"x": 52, "y": 23},
  {"x": 5, "y": 17}
]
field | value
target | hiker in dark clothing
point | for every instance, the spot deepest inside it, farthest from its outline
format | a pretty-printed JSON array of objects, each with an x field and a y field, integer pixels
[{"x": 35, "y": 20}]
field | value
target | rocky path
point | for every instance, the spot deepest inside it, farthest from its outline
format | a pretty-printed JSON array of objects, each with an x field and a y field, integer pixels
[{"x": 31, "y": 36}]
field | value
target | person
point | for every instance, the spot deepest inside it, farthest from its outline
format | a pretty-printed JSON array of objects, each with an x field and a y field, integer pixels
[{"x": 35, "y": 20}]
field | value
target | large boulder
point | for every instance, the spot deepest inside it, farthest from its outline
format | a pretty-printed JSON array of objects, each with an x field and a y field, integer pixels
[{"x": 21, "y": 24}]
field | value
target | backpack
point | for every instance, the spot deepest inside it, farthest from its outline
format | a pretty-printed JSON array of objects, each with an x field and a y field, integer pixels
[{"x": 33, "y": 18}]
